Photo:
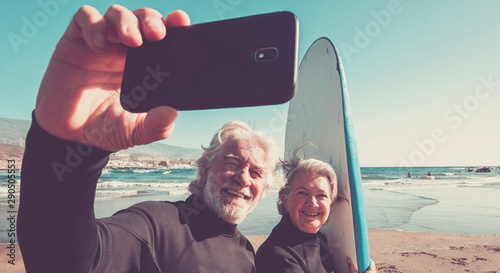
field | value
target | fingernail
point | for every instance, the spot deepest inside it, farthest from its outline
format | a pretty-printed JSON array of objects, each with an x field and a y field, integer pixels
[
  {"x": 98, "y": 40},
  {"x": 154, "y": 23},
  {"x": 134, "y": 33}
]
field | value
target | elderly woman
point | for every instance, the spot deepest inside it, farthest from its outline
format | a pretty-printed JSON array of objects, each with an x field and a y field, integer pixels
[{"x": 295, "y": 244}]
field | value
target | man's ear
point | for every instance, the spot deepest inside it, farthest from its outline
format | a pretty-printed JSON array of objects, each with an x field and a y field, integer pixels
[{"x": 204, "y": 175}]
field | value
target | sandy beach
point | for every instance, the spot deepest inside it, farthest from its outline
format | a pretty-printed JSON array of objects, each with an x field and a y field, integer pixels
[
  {"x": 395, "y": 251},
  {"x": 412, "y": 252}
]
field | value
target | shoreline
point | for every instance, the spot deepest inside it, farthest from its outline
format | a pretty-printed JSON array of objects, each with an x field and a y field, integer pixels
[{"x": 392, "y": 251}]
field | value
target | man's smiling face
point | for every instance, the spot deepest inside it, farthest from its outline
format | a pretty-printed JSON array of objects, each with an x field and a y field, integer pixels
[{"x": 236, "y": 179}]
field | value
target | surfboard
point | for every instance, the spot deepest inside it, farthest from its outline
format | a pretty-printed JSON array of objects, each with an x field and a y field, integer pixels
[{"x": 320, "y": 113}]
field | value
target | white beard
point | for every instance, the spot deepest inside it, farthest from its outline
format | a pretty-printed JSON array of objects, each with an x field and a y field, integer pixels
[{"x": 231, "y": 210}]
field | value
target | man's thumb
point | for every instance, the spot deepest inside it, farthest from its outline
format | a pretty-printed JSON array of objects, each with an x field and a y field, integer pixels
[{"x": 158, "y": 124}]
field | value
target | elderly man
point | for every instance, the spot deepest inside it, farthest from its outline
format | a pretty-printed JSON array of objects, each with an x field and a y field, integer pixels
[{"x": 78, "y": 122}]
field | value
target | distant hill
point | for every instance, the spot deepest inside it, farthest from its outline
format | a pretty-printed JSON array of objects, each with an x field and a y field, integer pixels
[
  {"x": 161, "y": 150},
  {"x": 10, "y": 152},
  {"x": 13, "y": 132}
]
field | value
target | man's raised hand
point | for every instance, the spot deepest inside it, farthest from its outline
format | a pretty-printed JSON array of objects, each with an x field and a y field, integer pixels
[{"x": 79, "y": 97}]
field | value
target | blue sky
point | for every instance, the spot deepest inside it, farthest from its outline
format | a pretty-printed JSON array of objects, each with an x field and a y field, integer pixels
[{"x": 423, "y": 76}]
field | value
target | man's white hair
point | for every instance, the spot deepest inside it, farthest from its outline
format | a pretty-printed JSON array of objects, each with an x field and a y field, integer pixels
[{"x": 238, "y": 130}]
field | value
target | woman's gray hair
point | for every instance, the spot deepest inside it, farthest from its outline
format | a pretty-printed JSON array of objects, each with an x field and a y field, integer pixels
[
  {"x": 312, "y": 166},
  {"x": 239, "y": 130}
]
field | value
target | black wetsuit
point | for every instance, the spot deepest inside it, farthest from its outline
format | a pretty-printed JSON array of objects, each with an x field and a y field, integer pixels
[
  {"x": 58, "y": 232},
  {"x": 291, "y": 250}
]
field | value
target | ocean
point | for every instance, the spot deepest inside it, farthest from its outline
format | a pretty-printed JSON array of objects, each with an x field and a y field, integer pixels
[{"x": 453, "y": 201}]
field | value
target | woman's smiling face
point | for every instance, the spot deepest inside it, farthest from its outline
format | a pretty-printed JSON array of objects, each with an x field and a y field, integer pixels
[{"x": 308, "y": 201}]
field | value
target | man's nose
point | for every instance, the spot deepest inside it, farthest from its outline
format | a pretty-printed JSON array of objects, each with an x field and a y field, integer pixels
[{"x": 243, "y": 177}]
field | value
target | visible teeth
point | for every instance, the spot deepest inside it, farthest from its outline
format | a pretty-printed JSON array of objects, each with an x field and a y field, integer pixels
[
  {"x": 236, "y": 193},
  {"x": 311, "y": 214}
]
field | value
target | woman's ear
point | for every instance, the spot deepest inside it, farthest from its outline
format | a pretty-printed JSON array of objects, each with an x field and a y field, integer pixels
[
  {"x": 334, "y": 199},
  {"x": 283, "y": 201}
]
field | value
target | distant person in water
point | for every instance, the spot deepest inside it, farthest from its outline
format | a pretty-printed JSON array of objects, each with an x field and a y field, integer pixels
[
  {"x": 429, "y": 174},
  {"x": 409, "y": 174},
  {"x": 295, "y": 244}
]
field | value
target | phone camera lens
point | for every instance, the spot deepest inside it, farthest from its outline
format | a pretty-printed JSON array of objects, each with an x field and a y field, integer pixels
[{"x": 266, "y": 54}]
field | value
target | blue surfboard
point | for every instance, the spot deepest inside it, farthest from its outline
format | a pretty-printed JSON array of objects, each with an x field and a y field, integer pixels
[{"x": 320, "y": 113}]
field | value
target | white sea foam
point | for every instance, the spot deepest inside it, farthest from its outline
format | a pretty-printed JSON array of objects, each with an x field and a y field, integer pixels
[
  {"x": 177, "y": 191},
  {"x": 121, "y": 184},
  {"x": 113, "y": 184},
  {"x": 143, "y": 170},
  {"x": 4, "y": 191},
  {"x": 116, "y": 189},
  {"x": 116, "y": 193}
]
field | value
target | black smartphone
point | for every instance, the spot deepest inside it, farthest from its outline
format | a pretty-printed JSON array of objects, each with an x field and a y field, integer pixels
[{"x": 238, "y": 62}]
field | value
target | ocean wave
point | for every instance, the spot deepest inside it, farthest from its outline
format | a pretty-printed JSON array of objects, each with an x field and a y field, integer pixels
[
  {"x": 4, "y": 192},
  {"x": 121, "y": 193},
  {"x": 433, "y": 184},
  {"x": 113, "y": 184},
  {"x": 115, "y": 194},
  {"x": 159, "y": 185},
  {"x": 143, "y": 170},
  {"x": 374, "y": 182},
  {"x": 133, "y": 170},
  {"x": 118, "y": 189},
  {"x": 379, "y": 178},
  {"x": 467, "y": 185},
  {"x": 177, "y": 191}
]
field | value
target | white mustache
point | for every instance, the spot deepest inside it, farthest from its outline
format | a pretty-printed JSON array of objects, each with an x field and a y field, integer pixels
[{"x": 229, "y": 186}]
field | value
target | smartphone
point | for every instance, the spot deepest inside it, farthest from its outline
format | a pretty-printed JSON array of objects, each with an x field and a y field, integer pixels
[{"x": 240, "y": 62}]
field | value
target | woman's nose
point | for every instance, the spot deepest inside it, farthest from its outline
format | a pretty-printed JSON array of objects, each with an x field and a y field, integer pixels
[{"x": 312, "y": 201}]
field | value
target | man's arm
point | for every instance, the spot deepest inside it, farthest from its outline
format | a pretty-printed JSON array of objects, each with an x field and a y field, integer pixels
[
  {"x": 57, "y": 229},
  {"x": 78, "y": 102}
]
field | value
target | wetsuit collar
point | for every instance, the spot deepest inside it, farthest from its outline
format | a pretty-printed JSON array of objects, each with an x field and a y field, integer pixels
[
  {"x": 288, "y": 232},
  {"x": 206, "y": 222}
]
